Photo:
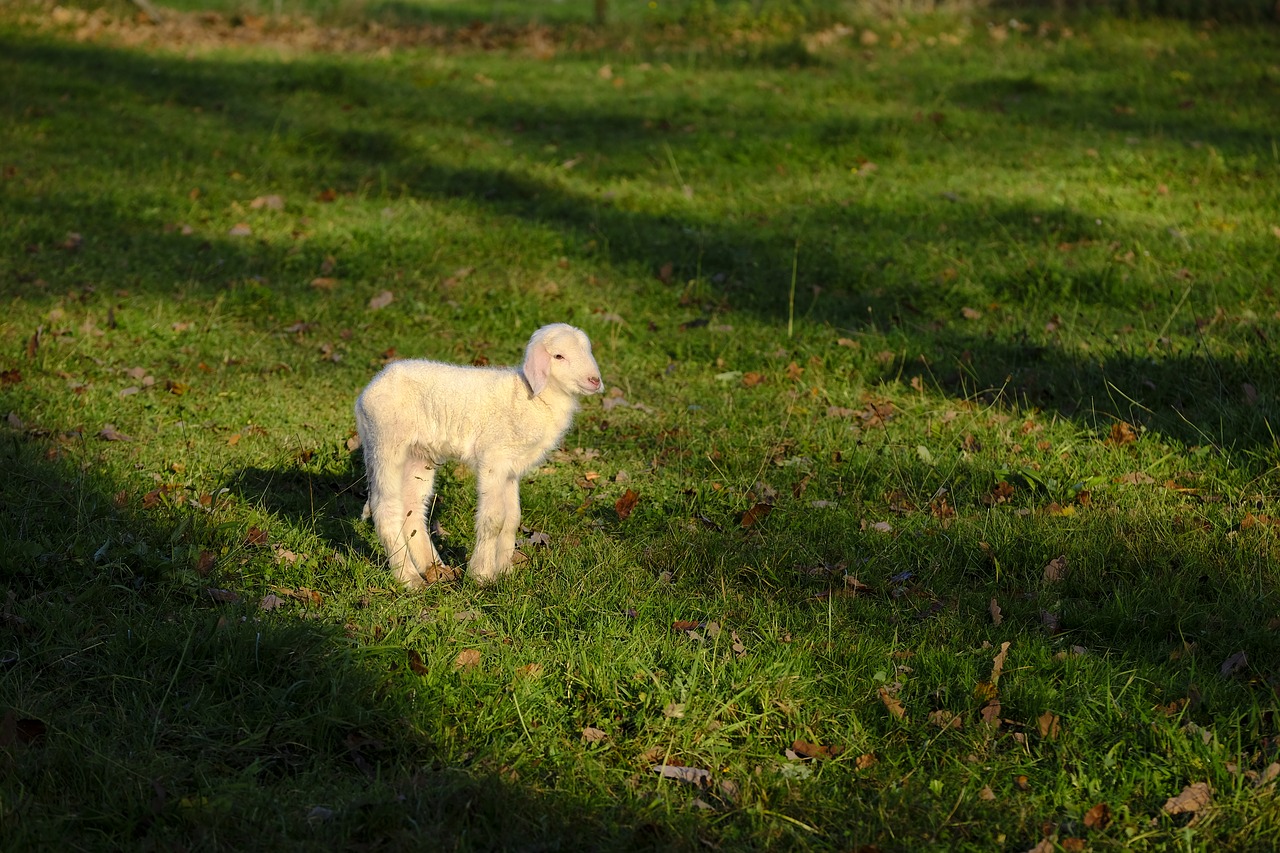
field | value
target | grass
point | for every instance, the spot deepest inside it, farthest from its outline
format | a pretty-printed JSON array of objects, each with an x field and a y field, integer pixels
[{"x": 954, "y": 299}]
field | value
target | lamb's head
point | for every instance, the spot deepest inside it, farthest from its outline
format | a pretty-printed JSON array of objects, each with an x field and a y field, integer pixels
[{"x": 559, "y": 356}]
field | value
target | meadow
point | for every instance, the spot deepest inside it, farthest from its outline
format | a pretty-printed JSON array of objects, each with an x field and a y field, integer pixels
[{"x": 932, "y": 503}]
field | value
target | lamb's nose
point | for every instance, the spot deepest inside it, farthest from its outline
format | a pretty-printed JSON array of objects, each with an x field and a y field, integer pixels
[{"x": 594, "y": 382}]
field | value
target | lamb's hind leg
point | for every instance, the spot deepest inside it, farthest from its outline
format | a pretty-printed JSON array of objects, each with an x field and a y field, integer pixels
[
  {"x": 417, "y": 485},
  {"x": 387, "y": 509}
]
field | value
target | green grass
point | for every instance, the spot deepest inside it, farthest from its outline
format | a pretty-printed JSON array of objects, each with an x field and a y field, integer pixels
[{"x": 955, "y": 301}]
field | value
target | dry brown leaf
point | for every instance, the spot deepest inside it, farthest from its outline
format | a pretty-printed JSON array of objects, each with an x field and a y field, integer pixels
[
  {"x": 255, "y": 536},
  {"x": 467, "y": 658},
  {"x": 529, "y": 670},
  {"x": 1056, "y": 569},
  {"x": 1135, "y": 478},
  {"x": 205, "y": 563},
  {"x": 270, "y": 602},
  {"x": 1021, "y": 783},
  {"x": 416, "y": 664},
  {"x": 224, "y": 596},
  {"x": 1233, "y": 664},
  {"x": 1192, "y": 799},
  {"x": 990, "y": 712},
  {"x": 970, "y": 313},
  {"x": 997, "y": 663},
  {"x": 805, "y": 749},
  {"x": 1122, "y": 433},
  {"x": 271, "y": 202},
  {"x": 755, "y": 515},
  {"x": 590, "y": 734},
  {"x": 986, "y": 793},
  {"x": 994, "y": 608},
  {"x": 625, "y": 504},
  {"x": 382, "y": 300},
  {"x": 110, "y": 433},
  {"x": 1071, "y": 844},
  {"x": 1098, "y": 817},
  {"x": 891, "y": 702},
  {"x": 866, "y": 761},
  {"x": 944, "y": 719},
  {"x": 1049, "y": 724},
  {"x": 692, "y": 775}
]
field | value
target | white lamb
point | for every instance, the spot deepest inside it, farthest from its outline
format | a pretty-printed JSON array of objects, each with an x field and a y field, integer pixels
[{"x": 500, "y": 421}]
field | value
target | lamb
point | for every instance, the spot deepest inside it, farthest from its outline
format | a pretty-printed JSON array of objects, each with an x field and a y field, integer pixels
[{"x": 501, "y": 422}]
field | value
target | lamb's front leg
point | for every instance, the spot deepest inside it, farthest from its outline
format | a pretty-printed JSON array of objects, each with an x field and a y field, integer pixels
[{"x": 497, "y": 517}]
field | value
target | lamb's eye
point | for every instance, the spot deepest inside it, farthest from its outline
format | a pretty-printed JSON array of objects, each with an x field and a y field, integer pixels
[{"x": 559, "y": 357}]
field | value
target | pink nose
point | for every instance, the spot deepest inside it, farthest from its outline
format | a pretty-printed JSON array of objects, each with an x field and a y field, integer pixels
[{"x": 593, "y": 382}]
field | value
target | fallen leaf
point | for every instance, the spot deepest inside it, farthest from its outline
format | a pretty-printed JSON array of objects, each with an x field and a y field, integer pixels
[
  {"x": 944, "y": 719},
  {"x": 224, "y": 596},
  {"x": 625, "y": 504},
  {"x": 255, "y": 536},
  {"x": 1192, "y": 799},
  {"x": 997, "y": 663},
  {"x": 1098, "y": 817},
  {"x": 271, "y": 202},
  {"x": 240, "y": 229},
  {"x": 1135, "y": 478},
  {"x": 1071, "y": 844},
  {"x": 1233, "y": 664},
  {"x": 110, "y": 433},
  {"x": 382, "y": 300},
  {"x": 970, "y": 313},
  {"x": 756, "y": 514},
  {"x": 1022, "y": 783},
  {"x": 751, "y": 379},
  {"x": 1001, "y": 494},
  {"x": 990, "y": 713},
  {"x": 466, "y": 659},
  {"x": 270, "y": 602},
  {"x": 416, "y": 664},
  {"x": 891, "y": 702},
  {"x": 205, "y": 563},
  {"x": 805, "y": 749},
  {"x": 994, "y": 608},
  {"x": 593, "y": 735},
  {"x": 692, "y": 775},
  {"x": 738, "y": 648},
  {"x": 1049, "y": 725},
  {"x": 685, "y": 625},
  {"x": 529, "y": 670},
  {"x": 674, "y": 710},
  {"x": 1122, "y": 433},
  {"x": 1045, "y": 845},
  {"x": 1056, "y": 569}
]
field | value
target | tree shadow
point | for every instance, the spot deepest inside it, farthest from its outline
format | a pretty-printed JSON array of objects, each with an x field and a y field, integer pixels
[
  {"x": 862, "y": 256},
  {"x": 161, "y": 709}
]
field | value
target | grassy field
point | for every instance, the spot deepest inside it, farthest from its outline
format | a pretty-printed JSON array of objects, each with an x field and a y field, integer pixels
[{"x": 941, "y": 355}]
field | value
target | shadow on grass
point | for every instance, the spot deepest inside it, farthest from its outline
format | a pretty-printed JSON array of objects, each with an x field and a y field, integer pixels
[
  {"x": 158, "y": 715},
  {"x": 870, "y": 268}
]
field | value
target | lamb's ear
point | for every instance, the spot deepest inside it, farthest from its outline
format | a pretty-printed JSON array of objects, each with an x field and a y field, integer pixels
[{"x": 537, "y": 365}]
